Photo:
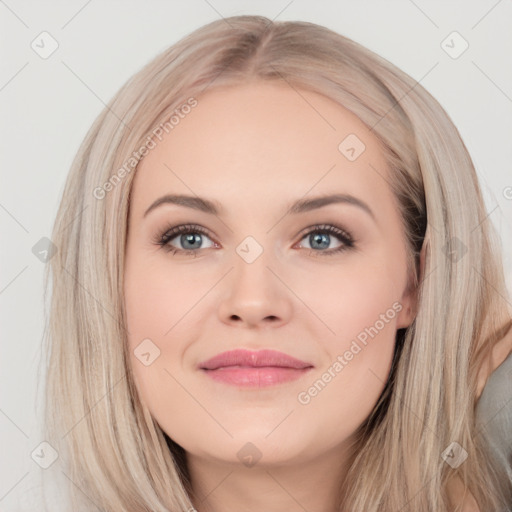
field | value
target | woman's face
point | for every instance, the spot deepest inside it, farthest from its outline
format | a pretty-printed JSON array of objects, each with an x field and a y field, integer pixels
[{"x": 259, "y": 275}]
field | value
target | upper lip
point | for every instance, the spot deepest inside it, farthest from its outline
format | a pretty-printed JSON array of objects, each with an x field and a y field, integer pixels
[{"x": 255, "y": 359}]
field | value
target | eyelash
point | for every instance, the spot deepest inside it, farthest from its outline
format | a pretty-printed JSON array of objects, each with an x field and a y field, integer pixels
[{"x": 163, "y": 239}]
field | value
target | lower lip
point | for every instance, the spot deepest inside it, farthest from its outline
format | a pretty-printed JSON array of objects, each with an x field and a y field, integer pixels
[{"x": 256, "y": 377}]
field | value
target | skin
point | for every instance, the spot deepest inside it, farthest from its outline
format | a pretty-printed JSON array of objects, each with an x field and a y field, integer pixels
[
  {"x": 497, "y": 356},
  {"x": 256, "y": 148}
]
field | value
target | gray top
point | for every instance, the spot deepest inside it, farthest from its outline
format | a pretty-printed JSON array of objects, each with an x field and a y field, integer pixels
[{"x": 494, "y": 416}]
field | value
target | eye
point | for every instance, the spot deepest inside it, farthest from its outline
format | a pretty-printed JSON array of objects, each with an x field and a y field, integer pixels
[
  {"x": 189, "y": 236},
  {"x": 319, "y": 237}
]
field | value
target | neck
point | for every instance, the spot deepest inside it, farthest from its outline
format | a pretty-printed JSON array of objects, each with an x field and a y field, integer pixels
[{"x": 313, "y": 484}]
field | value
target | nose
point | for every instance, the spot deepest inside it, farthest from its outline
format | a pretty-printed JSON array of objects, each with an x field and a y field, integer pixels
[{"x": 254, "y": 295}]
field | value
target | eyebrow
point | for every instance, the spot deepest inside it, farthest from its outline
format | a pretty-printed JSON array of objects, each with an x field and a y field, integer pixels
[{"x": 300, "y": 206}]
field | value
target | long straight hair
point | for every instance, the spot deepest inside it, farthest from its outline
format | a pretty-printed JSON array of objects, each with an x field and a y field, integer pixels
[{"x": 113, "y": 454}]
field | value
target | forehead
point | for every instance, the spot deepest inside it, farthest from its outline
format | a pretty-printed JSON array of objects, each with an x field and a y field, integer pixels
[{"x": 264, "y": 141}]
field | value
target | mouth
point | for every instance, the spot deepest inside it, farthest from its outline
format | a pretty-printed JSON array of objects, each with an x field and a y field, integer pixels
[{"x": 254, "y": 369}]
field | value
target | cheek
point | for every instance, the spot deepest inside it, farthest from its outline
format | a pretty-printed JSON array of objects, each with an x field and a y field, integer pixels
[
  {"x": 157, "y": 298},
  {"x": 155, "y": 301},
  {"x": 359, "y": 307},
  {"x": 358, "y": 357},
  {"x": 342, "y": 397},
  {"x": 350, "y": 297}
]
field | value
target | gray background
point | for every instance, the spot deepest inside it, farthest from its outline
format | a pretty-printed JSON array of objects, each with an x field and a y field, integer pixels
[{"x": 47, "y": 105}]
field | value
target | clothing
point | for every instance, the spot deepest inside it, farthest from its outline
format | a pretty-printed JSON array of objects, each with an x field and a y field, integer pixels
[{"x": 494, "y": 417}]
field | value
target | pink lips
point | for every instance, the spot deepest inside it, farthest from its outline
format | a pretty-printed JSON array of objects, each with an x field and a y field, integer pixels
[{"x": 254, "y": 369}]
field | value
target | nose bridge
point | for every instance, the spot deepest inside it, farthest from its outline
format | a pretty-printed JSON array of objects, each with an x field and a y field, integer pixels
[
  {"x": 251, "y": 262},
  {"x": 254, "y": 291}
]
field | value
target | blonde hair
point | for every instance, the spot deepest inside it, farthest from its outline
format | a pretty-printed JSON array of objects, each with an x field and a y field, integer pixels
[{"x": 113, "y": 453}]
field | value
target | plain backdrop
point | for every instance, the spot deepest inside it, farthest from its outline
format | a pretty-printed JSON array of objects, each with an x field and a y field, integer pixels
[{"x": 48, "y": 104}]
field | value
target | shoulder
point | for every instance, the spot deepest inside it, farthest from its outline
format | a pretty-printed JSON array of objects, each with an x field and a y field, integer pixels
[
  {"x": 461, "y": 499},
  {"x": 499, "y": 354}
]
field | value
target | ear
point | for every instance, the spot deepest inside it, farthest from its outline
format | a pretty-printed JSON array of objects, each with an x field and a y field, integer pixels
[{"x": 409, "y": 300}]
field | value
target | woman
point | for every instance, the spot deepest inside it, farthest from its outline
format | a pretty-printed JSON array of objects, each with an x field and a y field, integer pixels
[{"x": 260, "y": 369}]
